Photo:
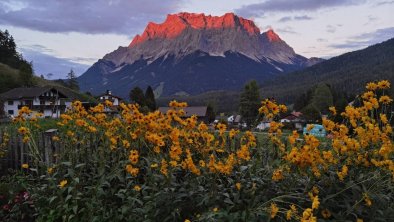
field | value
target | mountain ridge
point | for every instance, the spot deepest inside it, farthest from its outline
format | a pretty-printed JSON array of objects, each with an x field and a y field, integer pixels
[{"x": 187, "y": 46}]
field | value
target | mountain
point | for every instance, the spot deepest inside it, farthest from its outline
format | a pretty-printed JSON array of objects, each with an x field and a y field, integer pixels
[
  {"x": 190, "y": 54},
  {"x": 347, "y": 73}
]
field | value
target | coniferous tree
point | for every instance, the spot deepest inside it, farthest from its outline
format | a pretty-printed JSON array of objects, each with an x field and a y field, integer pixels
[
  {"x": 150, "y": 101},
  {"x": 210, "y": 113},
  {"x": 137, "y": 96},
  {"x": 72, "y": 80},
  {"x": 250, "y": 102}
]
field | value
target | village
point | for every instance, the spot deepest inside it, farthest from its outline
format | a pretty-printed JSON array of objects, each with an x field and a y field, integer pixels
[{"x": 53, "y": 101}]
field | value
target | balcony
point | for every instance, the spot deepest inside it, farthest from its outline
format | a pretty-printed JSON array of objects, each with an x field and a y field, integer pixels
[{"x": 43, "y": 107}]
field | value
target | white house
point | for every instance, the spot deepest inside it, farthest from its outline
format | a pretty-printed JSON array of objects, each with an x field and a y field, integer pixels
[
  {"x": 47, "y": 100},
  {"x": 110, "y": 97}
]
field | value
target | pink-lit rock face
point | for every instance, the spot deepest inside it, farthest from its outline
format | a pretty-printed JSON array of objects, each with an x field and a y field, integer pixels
[
  {"x": 175, "y": 24},
  {"x": 185, "y": 33},
  {"x": 272, "y": 36}
]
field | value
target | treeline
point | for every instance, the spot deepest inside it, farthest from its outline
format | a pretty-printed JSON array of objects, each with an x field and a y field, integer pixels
[
  {"x": 315, "y": 102},
  {"x": 146, "y": 100},
  {"x": 347, "y": 73}
]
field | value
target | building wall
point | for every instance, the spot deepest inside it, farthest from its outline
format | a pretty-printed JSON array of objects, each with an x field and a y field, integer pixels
[
  {"x": 36, "y": 101},
  {"x": 115, "y": 101},
  {"x": 13, "y": 107}
]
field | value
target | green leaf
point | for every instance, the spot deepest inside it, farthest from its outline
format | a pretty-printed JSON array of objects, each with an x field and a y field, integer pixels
[
  {"x": 227, "y": 200},
  {"x": 52, "y": 199},
  {"x": 68, "y": 197}
]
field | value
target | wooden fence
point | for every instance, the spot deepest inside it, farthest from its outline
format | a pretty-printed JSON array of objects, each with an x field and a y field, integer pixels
[{"x": 17, "y": 152}]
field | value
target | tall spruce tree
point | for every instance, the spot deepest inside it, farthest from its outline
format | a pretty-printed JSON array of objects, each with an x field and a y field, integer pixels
[
  {"x": 137, "y": 96},
  {"x": 150, "y": 101},
  {"x": 249, "y": 103},
  {"x": 72, "y": 80}
]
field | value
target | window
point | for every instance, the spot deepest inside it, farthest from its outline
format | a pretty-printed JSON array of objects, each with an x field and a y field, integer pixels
[
  {"x": 11, "y": 112},
  {"x": 10, "y": 103}
]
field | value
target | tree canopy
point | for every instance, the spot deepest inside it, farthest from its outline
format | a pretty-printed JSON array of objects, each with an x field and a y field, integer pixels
[{"x": 250, "y": 102}]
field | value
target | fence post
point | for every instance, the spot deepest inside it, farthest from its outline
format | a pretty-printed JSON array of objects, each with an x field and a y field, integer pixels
[
  {"x": 48, "y": 145},
  {"x": 15, "y": 148}
]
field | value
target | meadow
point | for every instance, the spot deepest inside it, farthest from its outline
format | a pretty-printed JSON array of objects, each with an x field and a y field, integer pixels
[{"x": 163, "y": 167}]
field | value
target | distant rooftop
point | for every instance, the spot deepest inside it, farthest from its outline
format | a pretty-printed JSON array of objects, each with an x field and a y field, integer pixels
[{"x": 31, "y": 92}]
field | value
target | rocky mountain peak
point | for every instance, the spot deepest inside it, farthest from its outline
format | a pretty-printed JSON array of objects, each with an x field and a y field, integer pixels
[
  {"x": 175, "y": 24},
  {"x": 272, "y": 36}
]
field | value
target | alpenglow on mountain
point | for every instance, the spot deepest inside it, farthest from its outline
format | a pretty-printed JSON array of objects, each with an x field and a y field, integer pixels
[{"x": 191, "y": 53}]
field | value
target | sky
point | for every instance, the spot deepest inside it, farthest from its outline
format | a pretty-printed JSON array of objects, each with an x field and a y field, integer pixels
[{"x": 59, "y": 35}]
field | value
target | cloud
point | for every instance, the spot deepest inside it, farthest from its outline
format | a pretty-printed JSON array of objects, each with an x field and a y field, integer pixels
[
  {"x": 44, "y": 63},
  {"x": 366, "y": 39},
  {"x": 92, "y": 17},
  {"x": 258, "y": 9},
  {"x": 384, "y": 3},
  {"x": 287, "y": 30},
  {"x": 321, "y": 40},
  {"x": 295, "y": 18},
  {"x": 331, "y": 29},
  {"x": 285, "y": 19}
]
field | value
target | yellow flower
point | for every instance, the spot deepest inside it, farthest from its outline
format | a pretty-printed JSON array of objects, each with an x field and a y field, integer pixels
[
  {"x": 50, "y": 170},
  {"x": 137, "y": 188},
  {"x": 55, "y": 138},
  {"x": 289, "y": 213},
  {"x": 385, "y": 99},
  {"x": 359, "y": 220},
  {"x": 187, "y": 220},
  {"x": 274, "y": 210},
  {"x": 238, "y": 186},
  {"x": 92, "y": 129},
  {"x": 371, "y": 86},
  {"x": 215, "y": 209},
  {"x": 310, "y": 127},
  {"x": 368, "y": 201},
  {"x": 23, "y": 130},
  {"x": 132, "y": 170},
  {"x": 25, "y": 166},
  {"x": 62, "y": 183},
  {"x": 25, "y": 139},
  {"x": 333, "y": 110},
  {"x": 133, "y": 157},
  {"x": 164, "y": 167},
  {"x": 384, "y": 84},
  {"x": 277, "y": 175},
  {"x": 315, "y": 203},
  {"x": 154, "y": 165}
]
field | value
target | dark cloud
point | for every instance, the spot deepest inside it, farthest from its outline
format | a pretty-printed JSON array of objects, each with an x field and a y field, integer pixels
[
  {"x": 258, "y": 9},
  {"x": 366, "y": 39},
  {"x": 294, "y": 18},
  {"x": 92, "y": 17},
  {"x": 45, "y": 63}
]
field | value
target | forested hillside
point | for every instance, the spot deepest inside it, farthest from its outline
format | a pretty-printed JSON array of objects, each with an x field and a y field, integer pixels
[{"x": 348, "y": 73}]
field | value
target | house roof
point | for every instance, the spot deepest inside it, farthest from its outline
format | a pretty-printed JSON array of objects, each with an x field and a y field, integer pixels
[
  {"x": 199, "y": 111},
  {"x": 110, "y": 94},
  {"x": 23, "y": 92}
]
